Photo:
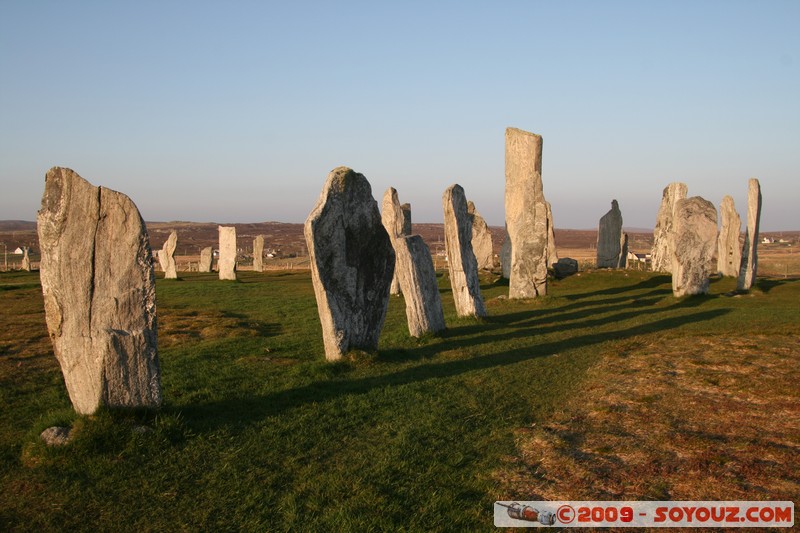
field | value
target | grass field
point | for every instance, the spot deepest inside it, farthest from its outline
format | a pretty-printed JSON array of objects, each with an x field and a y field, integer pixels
[{"x": 609, "y": 388}]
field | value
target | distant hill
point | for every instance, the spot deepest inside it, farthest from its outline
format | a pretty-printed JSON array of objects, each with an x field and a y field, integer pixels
[{"x": 17, "y": 225}]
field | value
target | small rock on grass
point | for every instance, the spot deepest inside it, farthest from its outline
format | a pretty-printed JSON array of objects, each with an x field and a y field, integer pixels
[{"x": 56, "y": 435}]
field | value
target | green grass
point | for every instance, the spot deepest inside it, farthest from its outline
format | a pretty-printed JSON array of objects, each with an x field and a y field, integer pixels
[{"x": 259, "y": 433}]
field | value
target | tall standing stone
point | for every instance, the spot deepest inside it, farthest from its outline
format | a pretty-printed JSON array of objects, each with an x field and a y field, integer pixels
[
  {"x": 258, "y": 254},
  {"x": 26, "y": 259},
  {"x": 695, "y": 239},
  {"x": 227, "y": 253},
  {"x": 623, "y": 251},
  {"x": 729, "y": 249},
  {"x": 206, "y": 258},
  {"x": 168, "y": 251},
  {"x": 396, "y": 220},
  {"x": 352, "y": 263},
  {"x": 526, "y": 215},
  {"x": 663, "y": 235},
  {"x": 609, "y": 238},
  {"x": 99, "y": 294},
  {"x": 749, "y": 265},
  {"x": 505, "y": 256},
  {"x": 481, "y": 239},
  {"x": 552, "y": 253},
  {"x": 460, "y": 259},
  {"x": 417, "y": 279}
]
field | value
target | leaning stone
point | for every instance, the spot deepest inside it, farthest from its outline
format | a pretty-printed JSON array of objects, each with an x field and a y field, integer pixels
[
  {"x": 695, "y": 238},
  {"x": 663, "y": 235},
  {"x": 99, "y": 294},
  {"x": 526, "y": 215},
  {"x": 56, "y": 436},
  {"x": 258, "y": 254},
  {"x": 227, "y": 253},
  {"x": 552, "y": 253},
  {"x": 749, "y": 265},
  {"x": 206, "y": 257},
  {"x": 168, "y": 249},
  {"x": 566, "y": 266},
  {"x": 460, "y": 260},
  {"x": 609, "y": 237},
  {"x": 352, "y": 263},
  {"x": 396, "y": 220},
  {"x": 729, "y": 249},
  {"x": 414, "y": 270},
  {"x": 505, "y": 256},
  {"x": 481, "y": 239}
]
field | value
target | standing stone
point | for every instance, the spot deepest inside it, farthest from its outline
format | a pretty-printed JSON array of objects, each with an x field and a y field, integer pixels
[
  {"x": 526, "y": 215},
  {"x": 623, "y": 251},
  {"x": 729, "y": 250},
  {"x": 609, "y": 237},
  {"x": 206, "y": 257},
  {"x": 749, "y": 265},
  {"x": 663, "y": 245},
  {"x": 162, "y": 259},
  {"x": 227, "y": 253},
  {"x": 26, "y": 260},
  {"x": 352, "y": 263},
  {"x": 418, "y": 282},
  {"x": 168, "y": 251},
  {"x": 552, "y": 254},
  {"x": 505, "y": 256},
  {"x": 396, "y": 220},
  {"x": 258, "y": 254},
  {"x": 460, "y": 260},
  {"x": 99, "y": 294},
  {"x": 695, "y": 239},
  {"x": 481, "y": 239}
]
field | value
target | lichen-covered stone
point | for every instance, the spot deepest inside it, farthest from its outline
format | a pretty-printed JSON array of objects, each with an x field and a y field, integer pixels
[
  {"x": 695, "y": 239},
  {"x": 461, "y": 261},
  {"x": 396, "y": 219},
  {"x": 729, "y": 249},
  {"x": 352, "y": 263},
  {"x": 99, "y": 294},
  {"x": 227, "y": 253},
  {"x": 481, "y": 239},
  {"x": 663, "y": 235},
  {"x": 609, "y": 238},
  {"x": 206, "y": 257},
  {"x": 748, "y": 268},
  {"x": 168, "y": 250},
  {"x": 418, "y": 283},
  {"x": 505, "y": 256}
]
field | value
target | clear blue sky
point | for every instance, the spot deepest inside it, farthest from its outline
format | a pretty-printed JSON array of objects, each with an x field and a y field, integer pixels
[{"x": 236, "y": 111}]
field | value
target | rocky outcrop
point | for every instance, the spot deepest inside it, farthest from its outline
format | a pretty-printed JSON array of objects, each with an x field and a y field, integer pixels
[
  {"x": 206, "y": 257},
  {"x": 481, "y": 239},
  {"x": 99, "y": 294},
  {"x": 352, "y": 263},
  {"x": 526, "y": 215},
  {"x": 609, "y": 238},
  {"x": 258, "y": 254},
  {"x": 749, "y": 265},
  {"x": 227, "y": 253},
  {"x": 663, "y": 239},
  {"x": 729, "y": 249},
  {"x": 461, "y": 261},
  {"x": 695, "y": 239}
]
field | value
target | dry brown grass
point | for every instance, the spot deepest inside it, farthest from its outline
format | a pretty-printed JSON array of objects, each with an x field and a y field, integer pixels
[{"x": 714, "y": 419}]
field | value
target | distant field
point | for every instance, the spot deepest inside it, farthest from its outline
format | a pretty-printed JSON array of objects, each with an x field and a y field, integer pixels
[{"x": 608, "y": 388}]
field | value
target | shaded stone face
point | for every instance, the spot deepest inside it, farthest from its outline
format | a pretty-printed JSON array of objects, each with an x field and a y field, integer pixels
[
  {"x": 417, "y": 278},
  {"x": 695, "y": 239},
  {"x": 623, "y": 251},
  {"x": 99, "y": 294},
  {"x": 663, "y": 238},
  {"x": 168, "y": 250},
  {"x": 609, "y": 238},
  {"x": 396, "y": 219},
  {"x": 749, "y": 264},
  {"x": 258, "y": 254},
  {"x": 227, "y": 253},
  {"x": 206, "y": 257},
  {"x": 461, "y": 261},
  {"x": 552, "y": 254},
  {"x": 505, "y": 256},
  {"x": 352, "y": 263},
  {"x": 481, "y": 239},
  {"x": 526, "y": 215},
  {"x": 729, "y": 250}
]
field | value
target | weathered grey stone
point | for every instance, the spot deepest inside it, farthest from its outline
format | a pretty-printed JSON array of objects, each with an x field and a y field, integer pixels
[
  {"x": 623, "y": 251},
  {"x": 56, "y": 436},
  {"x": 481, "y": 239},
  {"x": 566, "y": 266},
  {"x": 227, "y": 253},
  {"x": 418, "y": 282},
  {"x": 99, "y": 294},
  {"x": 26, "y": 260},
  {"x": 526, "y": 214},
  {"x": 206, "y": 257},
  {"x": 162, "y": 259},
  {"x": 168, "y": 251},
  {"x": 552, "y": 253},
  {"x": 609, "y": 237},
  {"x": 352, "y": 263},
  {"x": 749, "y": 265},
  {"x": 258, "y": 254},
  {"x": 460, "y": 260},
  {"x": 505, "y": 256},
  {"x": 695, "y": 240},
  {"x": 663, "y": 238},
  {"x": 396, "y": 220},
  {"x": 729, "y": 249}
]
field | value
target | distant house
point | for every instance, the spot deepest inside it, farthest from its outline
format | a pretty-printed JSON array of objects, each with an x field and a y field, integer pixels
[
  {"x": 19, "y": 251},
  {"x": 767, "y": 240}
]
